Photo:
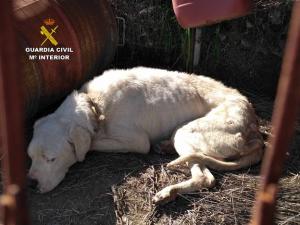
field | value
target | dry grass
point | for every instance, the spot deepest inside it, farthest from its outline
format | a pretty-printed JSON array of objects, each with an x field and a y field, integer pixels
[
  {"x": 267, "y": 4},
  {"x": 228, "y": 203}
]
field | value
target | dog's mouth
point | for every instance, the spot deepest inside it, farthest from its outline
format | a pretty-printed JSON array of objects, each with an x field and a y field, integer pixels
[
  {"x": 36, "y": 186},
  {"x": 41, "y": 189}
]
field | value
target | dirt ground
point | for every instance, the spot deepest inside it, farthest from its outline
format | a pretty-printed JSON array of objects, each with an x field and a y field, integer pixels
[{"x": 109, "y": 189}]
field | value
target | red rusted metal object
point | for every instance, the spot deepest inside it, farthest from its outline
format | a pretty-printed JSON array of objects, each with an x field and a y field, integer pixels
[
  {"x": 87, "y": 27},
  {"x": 11, "y": 122},
  {"x": 284, "y": 117},
  {"x": 194, "y": 13}
]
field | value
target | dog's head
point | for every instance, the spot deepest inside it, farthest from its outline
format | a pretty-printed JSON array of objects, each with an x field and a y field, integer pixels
[{"x": 59, "y": 140}]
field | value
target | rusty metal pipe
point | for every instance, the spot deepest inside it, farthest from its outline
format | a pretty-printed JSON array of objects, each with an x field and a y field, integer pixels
[
  {"x": 283, "y": 121},
  {"x": 11, "y": 120}
]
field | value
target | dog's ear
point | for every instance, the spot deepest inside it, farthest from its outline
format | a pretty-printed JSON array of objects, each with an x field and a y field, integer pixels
[{"x": 81, "y": 140}]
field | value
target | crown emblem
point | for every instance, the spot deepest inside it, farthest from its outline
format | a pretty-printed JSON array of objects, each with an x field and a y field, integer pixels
[{"x": 49, "y": 21}]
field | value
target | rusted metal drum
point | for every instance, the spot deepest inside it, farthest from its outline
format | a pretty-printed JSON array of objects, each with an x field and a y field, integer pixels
[
  {"x": 194, "y": 13},
  {"x": 83, "y": 35}
]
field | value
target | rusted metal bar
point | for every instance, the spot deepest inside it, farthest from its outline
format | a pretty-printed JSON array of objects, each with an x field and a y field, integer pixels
[
  {"x": 11, "y": 122},
  {"x": 283, "y": 120},
  {"x": 8, "y": 202}
]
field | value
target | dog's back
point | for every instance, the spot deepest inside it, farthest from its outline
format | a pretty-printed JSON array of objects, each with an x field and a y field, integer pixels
[{"x": 139, "y": 96}]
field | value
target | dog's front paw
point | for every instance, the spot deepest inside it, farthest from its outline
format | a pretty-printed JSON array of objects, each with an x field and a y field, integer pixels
[
  {"x": 171, "y": 165},
  {"x": 174, "y": 165},
  {"x": 164, "y": 196}
]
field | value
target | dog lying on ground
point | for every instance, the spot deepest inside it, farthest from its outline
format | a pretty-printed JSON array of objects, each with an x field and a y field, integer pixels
[{"x": 209, "y": 124}]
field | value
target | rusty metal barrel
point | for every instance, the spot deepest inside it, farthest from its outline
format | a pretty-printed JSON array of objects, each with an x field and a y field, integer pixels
[{"x": 63, "y": 43}]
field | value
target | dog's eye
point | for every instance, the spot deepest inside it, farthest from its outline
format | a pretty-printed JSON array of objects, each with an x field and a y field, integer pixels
[{"x": 51, "y": 160}]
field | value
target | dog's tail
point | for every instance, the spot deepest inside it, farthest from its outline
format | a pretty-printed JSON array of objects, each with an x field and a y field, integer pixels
[{"x": 247, "y": 160}]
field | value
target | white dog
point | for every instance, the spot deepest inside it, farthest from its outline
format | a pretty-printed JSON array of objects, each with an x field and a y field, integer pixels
[{"x": 210, "y": 125}]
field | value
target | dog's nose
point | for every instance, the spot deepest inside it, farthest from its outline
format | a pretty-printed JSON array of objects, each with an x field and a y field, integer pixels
[{"x": 32, "y": 183}]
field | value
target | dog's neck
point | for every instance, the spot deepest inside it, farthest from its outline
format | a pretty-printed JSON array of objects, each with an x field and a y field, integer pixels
[
  {"x": 97, "y": 110},
  {"x": 81, "y": 109}
]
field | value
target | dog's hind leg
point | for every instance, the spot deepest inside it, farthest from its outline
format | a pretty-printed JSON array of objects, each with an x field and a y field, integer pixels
[{"x": 201, "y": 178}]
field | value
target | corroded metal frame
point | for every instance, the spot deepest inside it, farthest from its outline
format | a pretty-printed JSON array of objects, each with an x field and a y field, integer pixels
[
  {"x": 13, "y": 201},
  {"x": 283, "y": 123}
]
